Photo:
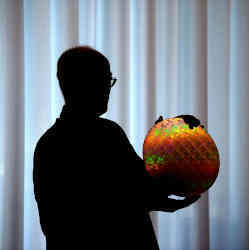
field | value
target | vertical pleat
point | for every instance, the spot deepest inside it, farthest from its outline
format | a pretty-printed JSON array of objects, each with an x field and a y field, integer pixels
[
  {"x": 119, "y": 44},
  {"x": 12, "y": 125},
  {"x": 37, "y": 63},
  {"x": 87, "y": 22},
  {"x": 167, "y": 99},
  {"x": 122, "y": 55},
  {"x": 218, "y": 118},
  {"x": 239, "y": 122},
  {"x": 108, "y": 42},
  {"x": 148, "y": 80},
  {"x": 198, "y": 85},
  {"x": 134, "y": 72},
  {"x": 182, "y": 54},
  {"x": 161, "y": 39},
  {"x": 66, "y": 31}
]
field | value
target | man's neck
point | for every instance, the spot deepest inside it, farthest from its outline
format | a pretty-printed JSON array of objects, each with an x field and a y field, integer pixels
[{"x": 75, "y": 113}]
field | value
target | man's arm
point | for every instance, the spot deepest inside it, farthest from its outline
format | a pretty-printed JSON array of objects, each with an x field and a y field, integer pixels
[
  {"x": 150, "y": 192},
  {"x": 155, "y": 197}
]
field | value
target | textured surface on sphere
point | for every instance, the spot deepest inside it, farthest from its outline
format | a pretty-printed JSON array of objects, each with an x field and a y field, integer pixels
[{"x": 172, "y": 149}]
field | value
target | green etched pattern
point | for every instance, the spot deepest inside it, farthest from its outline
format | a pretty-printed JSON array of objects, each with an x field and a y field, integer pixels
[
  {"x": 154, "y": 159},
  {"x": 171, "y": 131}
]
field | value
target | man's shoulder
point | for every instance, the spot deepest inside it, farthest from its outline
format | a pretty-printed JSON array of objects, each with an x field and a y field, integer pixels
[
  {"x": 46, "y": 138},
  {"x": 51, "y": 134},
  {"x": 115, "y": 128},
  {"x": 110, "y": 124}
]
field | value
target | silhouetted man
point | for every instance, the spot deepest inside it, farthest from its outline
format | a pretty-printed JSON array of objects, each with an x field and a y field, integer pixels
[{"x": 91, "y": 187}]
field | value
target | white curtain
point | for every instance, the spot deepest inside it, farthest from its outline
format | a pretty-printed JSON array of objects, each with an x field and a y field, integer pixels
[{"x": 170, "y": 57}]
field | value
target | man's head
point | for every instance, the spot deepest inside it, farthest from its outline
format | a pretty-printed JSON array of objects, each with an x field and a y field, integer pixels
[{"x": 84, "y": 77}]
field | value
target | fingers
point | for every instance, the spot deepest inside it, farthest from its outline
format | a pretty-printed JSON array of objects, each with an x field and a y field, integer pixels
[
  {"x": 194, "y": 122},
  {"x": 159, "y": 119},
  {"x": 191, "y": 120},
  {"x": 191, "y": 199},
  {"x": 170, "y": 210},
  {"x": 172, "y": 205}
]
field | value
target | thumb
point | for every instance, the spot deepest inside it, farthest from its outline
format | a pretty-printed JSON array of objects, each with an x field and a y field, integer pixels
[
  {"x": 192, "y": 198},
  {"x": 159, "y": 119}
]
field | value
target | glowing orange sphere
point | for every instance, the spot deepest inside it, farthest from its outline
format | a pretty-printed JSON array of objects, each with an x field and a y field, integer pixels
[{"x": 172, "y": 149}]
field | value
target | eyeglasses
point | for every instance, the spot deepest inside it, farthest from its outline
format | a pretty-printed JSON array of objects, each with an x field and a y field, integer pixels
[{"x": 113, "y": 81}]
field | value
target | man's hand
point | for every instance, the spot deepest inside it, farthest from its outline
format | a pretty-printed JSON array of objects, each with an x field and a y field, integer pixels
[
  {"x": 172, "y": 205},
  {"x": 191, "y": 120},
  {"x": 159, "y": 119},
  {"x": 164, "y": 186}
]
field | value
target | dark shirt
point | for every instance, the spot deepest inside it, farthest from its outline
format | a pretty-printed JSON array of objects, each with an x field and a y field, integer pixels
[{"x": 91, "y": 187}]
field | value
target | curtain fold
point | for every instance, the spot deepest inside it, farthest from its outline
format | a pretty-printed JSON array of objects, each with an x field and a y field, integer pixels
[
  {"x": 219, "y": 20},
  {"x": 11, "y": 125},
  {"x": 238, "y": 122},
  {"x": 170, "y": 57}
]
